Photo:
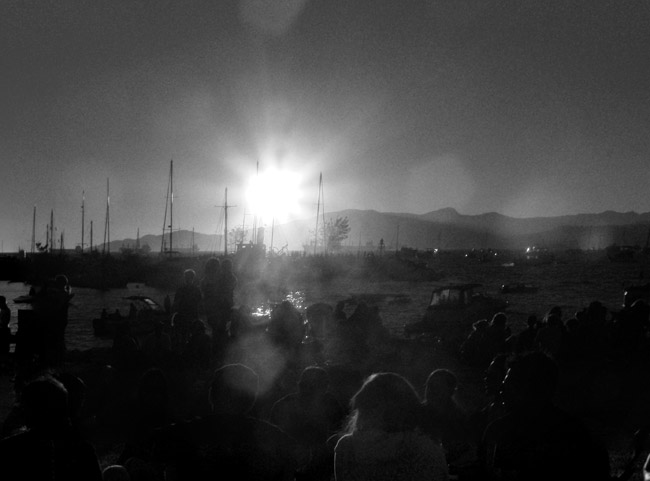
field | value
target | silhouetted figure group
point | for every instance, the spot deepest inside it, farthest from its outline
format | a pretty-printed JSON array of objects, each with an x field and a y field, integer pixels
[
  {"x": 592, "y": 334},
  {"x": 190, "y": 408}
]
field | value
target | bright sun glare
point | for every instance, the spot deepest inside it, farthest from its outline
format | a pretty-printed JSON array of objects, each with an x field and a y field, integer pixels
[{"x": 275, "y": 195}]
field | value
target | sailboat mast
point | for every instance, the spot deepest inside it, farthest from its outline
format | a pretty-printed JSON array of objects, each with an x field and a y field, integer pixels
[
  {"x": 225, "y": 228},
  {"x": 320, "y": 183},
  {"x": 91, "y": 236},
  {"x": 254, "y": 228},
  {"x": 322, "y": 201},
  {"x": 171, "y": 205},
  {"x": 272, "y": 229},
  {"x": 83, "y": 201},
  {"x": 34, "y": 231},
  {"x": 52, "y": 230},
  {"x": 107, "y": 222}
]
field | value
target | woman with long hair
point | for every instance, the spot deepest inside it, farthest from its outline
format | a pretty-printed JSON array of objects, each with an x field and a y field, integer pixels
[{"x": 383, "y": 440}]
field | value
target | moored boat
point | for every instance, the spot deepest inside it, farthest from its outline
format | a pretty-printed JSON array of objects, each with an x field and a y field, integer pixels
[
  {"x": 452, "y": 310},
  {"x": 142, "y": 317}
]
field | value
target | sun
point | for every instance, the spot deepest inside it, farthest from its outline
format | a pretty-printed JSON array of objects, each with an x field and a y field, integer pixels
[{"x": 275, "y": 195}]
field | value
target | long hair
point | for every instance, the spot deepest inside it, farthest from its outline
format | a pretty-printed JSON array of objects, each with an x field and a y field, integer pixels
[{"x": 386, "y": 401}]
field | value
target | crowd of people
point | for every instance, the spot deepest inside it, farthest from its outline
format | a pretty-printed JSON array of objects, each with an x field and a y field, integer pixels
[
  {"x": 590, "y": 334},
  {"x": 184, "y": 403}
]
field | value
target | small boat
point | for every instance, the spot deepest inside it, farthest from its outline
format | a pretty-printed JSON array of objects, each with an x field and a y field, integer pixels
[
  {"x": 518, "y": 288},
  {"x": 143, "y": 314},
  {"x": 451, "y": 312},
  {"x": 26, "y": 299}
]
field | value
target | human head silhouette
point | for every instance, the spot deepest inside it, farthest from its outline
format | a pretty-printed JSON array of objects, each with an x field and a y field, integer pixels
[
  {"x": 44, "y": 402},
  {"x": 189, "y": 275},
  {"x": 440, "y": 387},
  {"x": 233, "y": 389},
  {"x": 212, "y": 266},
  {"x": 386, "y": 401},
  {"x": 531, "y": 381},
  {"x": 313, "y": 380}
]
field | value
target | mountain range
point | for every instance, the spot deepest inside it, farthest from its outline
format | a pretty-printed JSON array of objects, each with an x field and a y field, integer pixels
[{"x": 441, "y": 229}]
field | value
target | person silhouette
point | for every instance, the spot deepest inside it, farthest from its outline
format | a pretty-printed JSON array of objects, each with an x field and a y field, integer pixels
[
  {"x": 211, "y": 290},
  {"x": 5, "y": 333},
  {"x": 445, "y": 421},
  {"x": 50, "y": 448},
  {"x": 185, "y": 309},
  {"x": 382, "y": 440},
  {"x": 535, "y": 440},
  {"x": 230, "y": 440},
  {"x": 311, "y": 415}
]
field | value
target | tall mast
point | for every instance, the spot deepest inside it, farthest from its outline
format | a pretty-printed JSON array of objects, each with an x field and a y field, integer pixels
[
  {"x": 83, "y": 225},
  {"x": 171, "y": 205},
  {"x": 91, "y": 236},
  {"x": 34, "y": 231},
  {"x": 167, "y": 206},
  {"x": 320, "y": 183},
  {"x": 225, "y": 228},
  {"x": 272, "y": 229},
  {"x": 243, "y": 227},
  {"x": 254, "y": 226},
  {"x": 52, "y": 230},
  {"x": 322, "y": 201},
  {"x": 107, "y": 222}
]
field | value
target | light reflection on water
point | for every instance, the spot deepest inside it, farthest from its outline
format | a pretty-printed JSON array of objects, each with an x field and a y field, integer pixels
[{"x": 262, "y": 312}]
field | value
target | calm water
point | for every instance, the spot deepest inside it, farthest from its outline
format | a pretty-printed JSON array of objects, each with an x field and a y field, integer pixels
[{"x": 572, "y": 285}]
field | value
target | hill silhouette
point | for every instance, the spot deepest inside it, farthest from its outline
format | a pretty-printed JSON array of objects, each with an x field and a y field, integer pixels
[{"x": 442, "y": 229}]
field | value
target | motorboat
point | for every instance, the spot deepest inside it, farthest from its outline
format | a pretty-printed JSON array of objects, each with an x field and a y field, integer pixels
[
  {"x": 143, "y": 314},
  {"x": 452, "y": 310}
]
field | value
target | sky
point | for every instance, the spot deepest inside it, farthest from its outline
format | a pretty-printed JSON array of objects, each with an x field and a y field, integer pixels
[{"x": 525, "y": 108}]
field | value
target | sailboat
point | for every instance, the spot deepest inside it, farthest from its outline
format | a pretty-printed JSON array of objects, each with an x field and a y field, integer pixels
[
  {"x": 169, "y": 205},
  {"x": 217, "y": 246},
  {"x": 321, "y": 200}
]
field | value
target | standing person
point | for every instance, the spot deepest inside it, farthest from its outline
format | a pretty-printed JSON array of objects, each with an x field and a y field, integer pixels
[
  {"x": 229, "y": 442},
  {"x": 383, "y": 441},
  {"x": 536, "y": 440},
  {"x": 211, "y": 290},
  {"x": 226, "y": 298},
  {"x": 51, "y": 306},
  {"x": 187, "y": 302},
  {"x": 62, "y": 295},
  {"x": 5, "y": 332},
  {"x": 444, "y": 420},
  {"x": 311, "y": 415},
  {"x": 50, "y": 448}
]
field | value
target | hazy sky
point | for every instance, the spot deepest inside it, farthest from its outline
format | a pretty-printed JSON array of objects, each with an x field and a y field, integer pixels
[{"x": 526, "y": 108}]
